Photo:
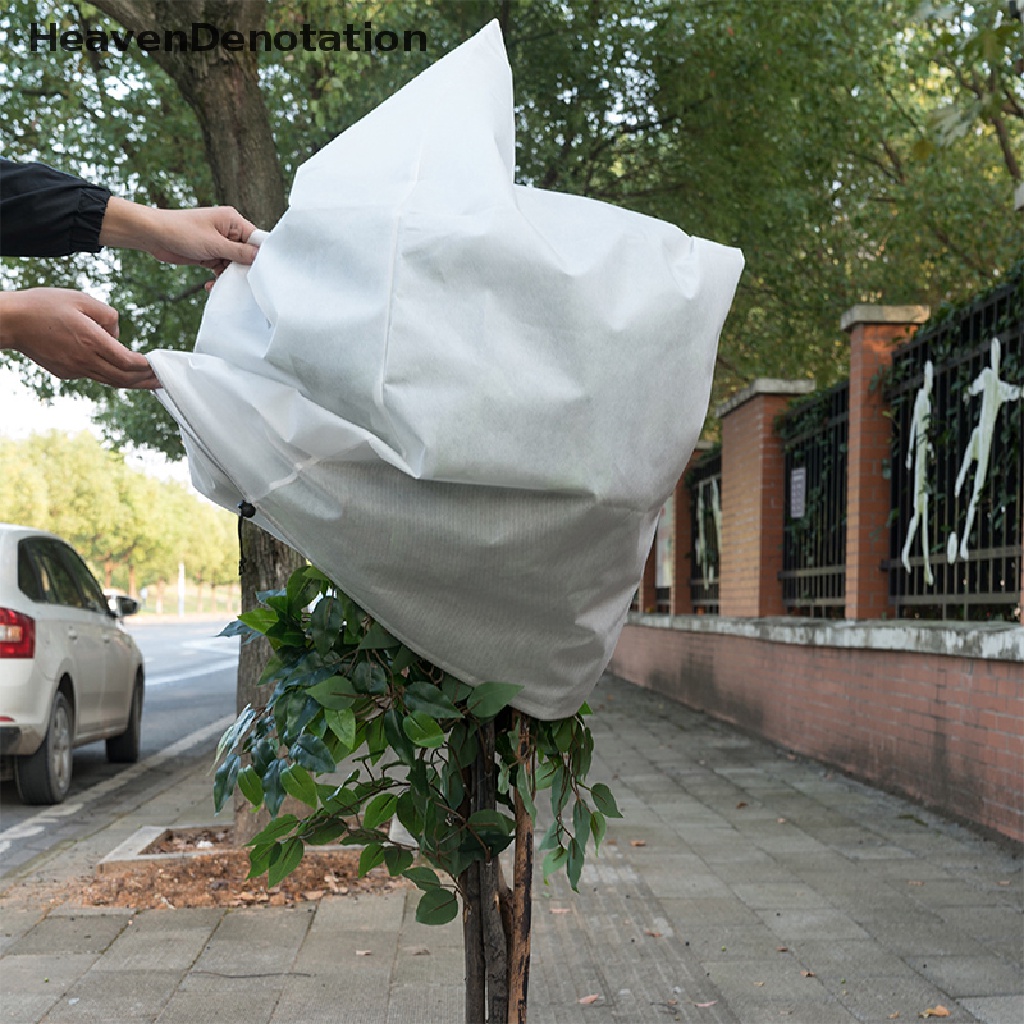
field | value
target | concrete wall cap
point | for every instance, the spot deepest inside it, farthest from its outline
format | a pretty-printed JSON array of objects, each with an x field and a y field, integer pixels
[
  {"x": 994, "y": 641},
  {"x": 764, "y": 386},
  {"x": 867, "y": 314}
]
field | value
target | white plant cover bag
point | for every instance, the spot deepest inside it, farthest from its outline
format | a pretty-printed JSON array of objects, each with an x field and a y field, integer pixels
[{"x": 464, "y": 400}]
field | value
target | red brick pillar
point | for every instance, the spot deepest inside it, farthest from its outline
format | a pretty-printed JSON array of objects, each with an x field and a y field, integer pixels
[
  {"x": 753, "y": 497},
  {"x": 874, "y": 332},
  {"x": 648, "y": 590}
]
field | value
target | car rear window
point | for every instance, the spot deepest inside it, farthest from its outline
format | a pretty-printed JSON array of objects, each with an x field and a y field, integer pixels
[{"x": 28, "y": 578}]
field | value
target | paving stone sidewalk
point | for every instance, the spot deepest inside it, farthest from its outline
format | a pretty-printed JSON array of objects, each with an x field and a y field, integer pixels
[{"x": 742, "y": 886}]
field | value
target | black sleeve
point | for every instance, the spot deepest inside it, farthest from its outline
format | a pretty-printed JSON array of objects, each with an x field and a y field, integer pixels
[{"x": 44, "y": 212}]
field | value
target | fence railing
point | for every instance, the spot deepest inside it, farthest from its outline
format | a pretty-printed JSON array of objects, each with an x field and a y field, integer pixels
[
  {"x": 958, "y": 462},
  {"x": 704, "y": 482},
  {"x": 815, "y": 434}
]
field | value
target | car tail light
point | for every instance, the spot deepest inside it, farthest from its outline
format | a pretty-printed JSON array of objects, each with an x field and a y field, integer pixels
[{"x": 17, "y": 635}]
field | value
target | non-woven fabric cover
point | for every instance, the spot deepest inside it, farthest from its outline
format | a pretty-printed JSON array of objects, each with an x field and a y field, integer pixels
[{"x": 464, "y": 400}]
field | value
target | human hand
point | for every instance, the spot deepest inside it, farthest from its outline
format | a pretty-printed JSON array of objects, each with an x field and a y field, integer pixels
[
  {"x": 71, "y": 335},
  {"x": 211, "y": 236}
]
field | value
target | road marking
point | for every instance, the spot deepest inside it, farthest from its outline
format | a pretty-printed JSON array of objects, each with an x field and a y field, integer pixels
[
  {"x": 37, "y": 823},
  {"x": 194, "y": 673}
]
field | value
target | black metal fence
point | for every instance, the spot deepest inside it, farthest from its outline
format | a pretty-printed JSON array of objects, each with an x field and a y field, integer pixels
[
  {"x": 958, "y": 462},
  {"x": 704, "y": 482},
  {"x": 815, "y": 435}
]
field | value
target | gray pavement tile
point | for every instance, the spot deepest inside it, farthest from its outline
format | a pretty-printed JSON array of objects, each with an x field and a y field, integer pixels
[
  {"x": 996, "y": 1009},
  {"x": 812, "y": 924},
  {"x": 81, "y": 933},
  {"x": 732, "y": 942},
  {"x": 31, "y": 984},
  {"x": 985, "y": 923},
  {"x": 788, "y": 840},
  {"x": 686, "y": 914},
  {"x": 429, "y": 1004},
  {"x": 159, "y": 940},
  {"x": 328, "y": 1000},
  {"x": 124, "y": 997},
  {"x": 838, "y": 959},
  {"x": 251, "y": 942},
  {"x": 664, "y": 880},
  {"x": 952, "y": 892},
  {"x": 210, "y": 998},
  {"x": 877, "y": 998},
  {"x": 776, "y": 895},
  {"x": 971, "y": 975},
  {"x": 16, "y": 920},
  {"x": 763, "y": 990},
  {"x": 920, "y": 934}
]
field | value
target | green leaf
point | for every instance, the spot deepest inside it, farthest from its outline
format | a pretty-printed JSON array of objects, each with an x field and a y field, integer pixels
[
  {"x": 274, "y": 831},
  {"x": 598, "y": 827},
  {"x": 554, "y": 860},
  {"x": 326, "y": 833},
  {"x": 298, "y": 783},
  {"x": 379, "y": 809},
  {"x": 425, "y": 878},
  {"x": 397, "y": 860},
  {"x": 428, "y": 699},
  {"x": 551, "y": 837},
  {"x": 343, "y": 724},
  {"x": 438, "y": 906},
  {"x": 404, "y": 659},
  {"x": 545, "y": 775},
  {"x": 336, "y": 693},
  {"x": 284, "y": 860},
  {"x": 488, "y": 699},
  {"x": 260, "y": 619},
  {"x": 259, "y": 859},
  {"x": 372, "y": 855},
  {"x": 604, "y": 800},
  {"x": 396, "y": 736},
  {"x": 574, "y": 864},
  {"x": 377, "y": 638},
  {"x": 312, "y": 753},
  {"x": 581, "y": 823},
  {"x": 224, "y": 780},
  {"x": 273, "y": 787},
  {"x": 325, "y": 623},
  {"x": 370, "y": 678},
  {"x": 250, "y": 785},
  {"x": 407, "y": 813},
  {"x": 232, "y": 733},
  {"x": 523, "y": 787},
  {"x": 423, "y": 730}
]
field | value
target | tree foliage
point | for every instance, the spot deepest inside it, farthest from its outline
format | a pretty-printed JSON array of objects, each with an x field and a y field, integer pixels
[
  {"x": 124, "y": 523},
  {"x": 855, "y": 152},
  {"x": 346, "y": 690}
]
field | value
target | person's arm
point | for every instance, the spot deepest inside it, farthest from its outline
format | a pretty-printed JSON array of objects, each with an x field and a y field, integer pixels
[
  {"x": 44, "y": 212},
  {"x": 71, "y": 335},
  {"x": 210, "y": 236}
]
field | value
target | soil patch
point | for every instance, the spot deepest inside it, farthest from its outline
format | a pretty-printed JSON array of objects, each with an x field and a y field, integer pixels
[{"x": 215, "y": 876}]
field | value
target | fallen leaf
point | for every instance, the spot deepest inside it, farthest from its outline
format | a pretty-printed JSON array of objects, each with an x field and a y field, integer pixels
[
  {"x": 808, "y": 974},
  {"x": 914, "y": 881},
  {"x": 364, "y": 952},
  {"x": 653, "y": 934},
  {"x": 894, "y": 1016},
  {"x": 588, "y": 1000},
  {"x": 672, "y": 1002},
  {"x": 313, "y": 894},
  {"x": 741, "y": 804},
  {"x": 638, "y": 842},
  {"x": 419, "y": 951},
  {"x": 935, "y": 1011},
  {"x": 780, "y": 821},
  {"x": 1002, "y": 883},
  {"x": 782, "y": 949},
  {"x": 703, "y": 1005},
  {"x": 759, "y": 984},
  {"x": 561, "y": 910}
]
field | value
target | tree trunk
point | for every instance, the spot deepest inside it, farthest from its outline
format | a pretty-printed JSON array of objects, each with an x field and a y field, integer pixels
[
  {"x": 495, "y": 922},
  {"x": 222, "y": 88}
]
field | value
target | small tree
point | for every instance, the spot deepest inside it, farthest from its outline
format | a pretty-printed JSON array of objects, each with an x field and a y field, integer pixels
[{"x": 457, "y": 766}]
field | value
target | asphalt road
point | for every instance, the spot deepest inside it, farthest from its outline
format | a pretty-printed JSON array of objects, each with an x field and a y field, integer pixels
[{"x": 190, "y": 700}]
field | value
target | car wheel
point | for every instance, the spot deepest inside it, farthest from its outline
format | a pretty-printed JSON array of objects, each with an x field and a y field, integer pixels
[
  {"x": 124, "y": 749},
  {"x": 45, "y": 776}
]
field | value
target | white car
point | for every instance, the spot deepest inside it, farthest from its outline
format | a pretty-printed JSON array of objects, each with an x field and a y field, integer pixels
[{"x": 69, "y": 673}]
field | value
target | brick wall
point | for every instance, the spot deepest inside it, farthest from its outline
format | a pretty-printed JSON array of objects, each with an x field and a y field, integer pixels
[{"x": 941, "y": 728}]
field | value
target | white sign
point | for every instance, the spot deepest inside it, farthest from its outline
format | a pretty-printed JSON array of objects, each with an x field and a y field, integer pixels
[{"x": 797, "y": 492}]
